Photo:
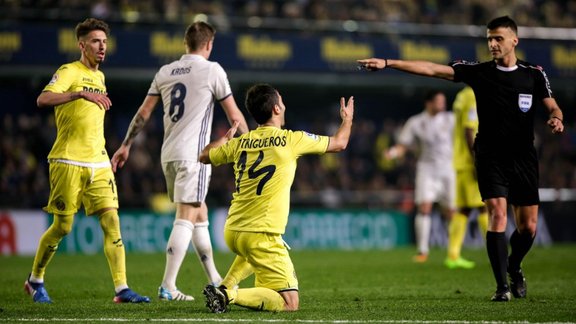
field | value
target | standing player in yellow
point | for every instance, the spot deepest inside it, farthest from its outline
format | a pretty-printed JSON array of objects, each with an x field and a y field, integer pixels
[
  {"x": 467, "y": 194},
  {"x": 80, "y": 170},
  {"x": 264, "y": 166}
]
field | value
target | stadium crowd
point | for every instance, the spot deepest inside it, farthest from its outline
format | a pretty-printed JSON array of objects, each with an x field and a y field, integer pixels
[
  {"x": 360, "y": 176},
  {"x": 540, "y": 13}
]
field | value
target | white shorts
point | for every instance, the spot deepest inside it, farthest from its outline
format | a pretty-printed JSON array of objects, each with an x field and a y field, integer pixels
[
  {"x": 187, "y": 181},
  {"x": 435, "y": 185}
]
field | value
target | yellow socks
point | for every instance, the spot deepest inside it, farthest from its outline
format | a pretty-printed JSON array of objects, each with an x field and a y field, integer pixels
[
  {"x": 257, "y": 298},
  {"x": 113, "y": 246},
  {"x": 239, "y": 270},
  {"x": 61, "y": 226},
  {"x": 456, "y": 234}
]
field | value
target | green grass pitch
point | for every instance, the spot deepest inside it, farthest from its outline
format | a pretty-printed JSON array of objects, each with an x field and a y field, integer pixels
[{"x": 335, "y": 287}]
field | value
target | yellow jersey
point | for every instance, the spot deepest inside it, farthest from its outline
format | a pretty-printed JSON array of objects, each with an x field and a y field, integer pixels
[
  {"x": 465, "y": 117},
  {"x": 264, "y": 167},
  {"x": 79, "y": 123}
]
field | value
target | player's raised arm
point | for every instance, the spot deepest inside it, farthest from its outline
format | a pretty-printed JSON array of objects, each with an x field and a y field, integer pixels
[
  {"x": 234, "y": 114},
  {"x": 423, "y": 68},
  {"x": 339, "y": 140},
  {"x": 140, "y": 119}
]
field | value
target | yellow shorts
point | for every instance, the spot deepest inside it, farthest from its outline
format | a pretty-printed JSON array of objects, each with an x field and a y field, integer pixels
[
  {"x": 72, "y": 185},
  {"x": 467, "y": 192},
  {"x": 268, "y": 256}
]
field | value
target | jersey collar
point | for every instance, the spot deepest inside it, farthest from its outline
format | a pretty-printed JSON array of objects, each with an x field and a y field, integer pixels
[
  {"x": 507, "y": 68},
  {"x": 192, "y": 57}
]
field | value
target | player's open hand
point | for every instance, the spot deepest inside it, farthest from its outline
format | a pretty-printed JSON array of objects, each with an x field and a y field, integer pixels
[
  {"x": 100, "y": 99},
  {"x": 120, "y": 157},
  {"x": 230, "y": 133},
  {"x": 347, "y": 109},
  {"x": 372, "y": 64},
  {"x": 556, "y": 125}
]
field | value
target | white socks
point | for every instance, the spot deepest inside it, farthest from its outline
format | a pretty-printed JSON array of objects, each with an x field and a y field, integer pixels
[
  {"x": 203, "y": 246},
  {"x": 33, "y": 279},
  {"x": 120, "y": 288},
  {"x": 176, "y": 251},
  {"x": 422, "y": 227}
]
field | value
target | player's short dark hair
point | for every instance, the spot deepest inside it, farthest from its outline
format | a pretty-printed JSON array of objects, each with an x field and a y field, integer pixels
[
  {"x": 260, "y": 101},
  {"x": 431, "y": 94},
  {"x": 198, "y": 34},
  {"x": 89, "y": 25},
  {"x": 503, "y": 21}
]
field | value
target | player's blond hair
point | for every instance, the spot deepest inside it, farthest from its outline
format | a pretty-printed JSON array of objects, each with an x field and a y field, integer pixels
[{"x": 198, "y": 34}]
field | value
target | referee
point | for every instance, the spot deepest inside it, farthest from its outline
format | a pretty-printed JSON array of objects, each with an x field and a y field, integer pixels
[{"x": 507, "y": 90}]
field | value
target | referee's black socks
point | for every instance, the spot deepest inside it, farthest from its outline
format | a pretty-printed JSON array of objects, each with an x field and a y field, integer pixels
[
  {"x": 497, "y": 247},
  {"x": 520, "y": 244}
]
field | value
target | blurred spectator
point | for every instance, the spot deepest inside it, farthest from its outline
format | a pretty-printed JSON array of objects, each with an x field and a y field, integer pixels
[
  {"x": 101, "y": 9},
  {"x": 550, "y": 13}
]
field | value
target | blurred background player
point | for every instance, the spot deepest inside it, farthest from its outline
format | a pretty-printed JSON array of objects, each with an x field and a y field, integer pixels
[
  {"x": 265, "y": 163},
  {"x": 187, "y": 88},
  {"x": 80, "y": 172},
  {"x": 432, "y": 131},
  {"x": 505, "y": 157},
  {"x": 468, "y": 196}
]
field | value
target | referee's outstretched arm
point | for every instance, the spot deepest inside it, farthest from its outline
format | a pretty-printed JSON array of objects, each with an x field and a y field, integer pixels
[{"x": 423, "y": 68}]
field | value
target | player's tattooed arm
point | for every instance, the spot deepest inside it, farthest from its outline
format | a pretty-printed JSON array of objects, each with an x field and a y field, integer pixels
[
  {"x": 141, "y": 118},
  {"x": 136, "y": 125},
  {"x": 134, "y": 129}
]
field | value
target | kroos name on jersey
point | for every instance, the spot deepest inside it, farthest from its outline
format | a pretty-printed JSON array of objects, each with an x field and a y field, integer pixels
[{"x": 179, "y": 71}]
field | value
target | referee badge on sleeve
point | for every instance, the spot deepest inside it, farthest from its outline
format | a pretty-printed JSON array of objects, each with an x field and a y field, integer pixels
[{"x": 524, "y": 102}]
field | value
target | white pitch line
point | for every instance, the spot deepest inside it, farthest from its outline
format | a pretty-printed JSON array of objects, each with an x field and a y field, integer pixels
[{"x": 243, "y": 320}]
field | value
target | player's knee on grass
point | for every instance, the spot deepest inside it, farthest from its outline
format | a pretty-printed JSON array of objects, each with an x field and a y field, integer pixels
[{"x": 291, "y": 299}]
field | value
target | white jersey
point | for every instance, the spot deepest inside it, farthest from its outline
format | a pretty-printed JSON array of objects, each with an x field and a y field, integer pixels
[
  {"x": 435, "y": 176},
  {"x": 433, "y": 134},
  {"x": 188, "y": 88}
]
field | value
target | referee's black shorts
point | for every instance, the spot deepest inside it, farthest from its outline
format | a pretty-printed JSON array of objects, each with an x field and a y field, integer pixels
[{"x": 511, "y": 175}]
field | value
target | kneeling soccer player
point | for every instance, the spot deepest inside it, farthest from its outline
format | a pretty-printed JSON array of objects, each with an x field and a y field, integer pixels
[{"x": 264, "y": 165}]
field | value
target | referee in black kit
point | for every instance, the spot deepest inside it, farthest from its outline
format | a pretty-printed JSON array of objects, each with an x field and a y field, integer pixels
[{"x": 507, "y": 92}]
